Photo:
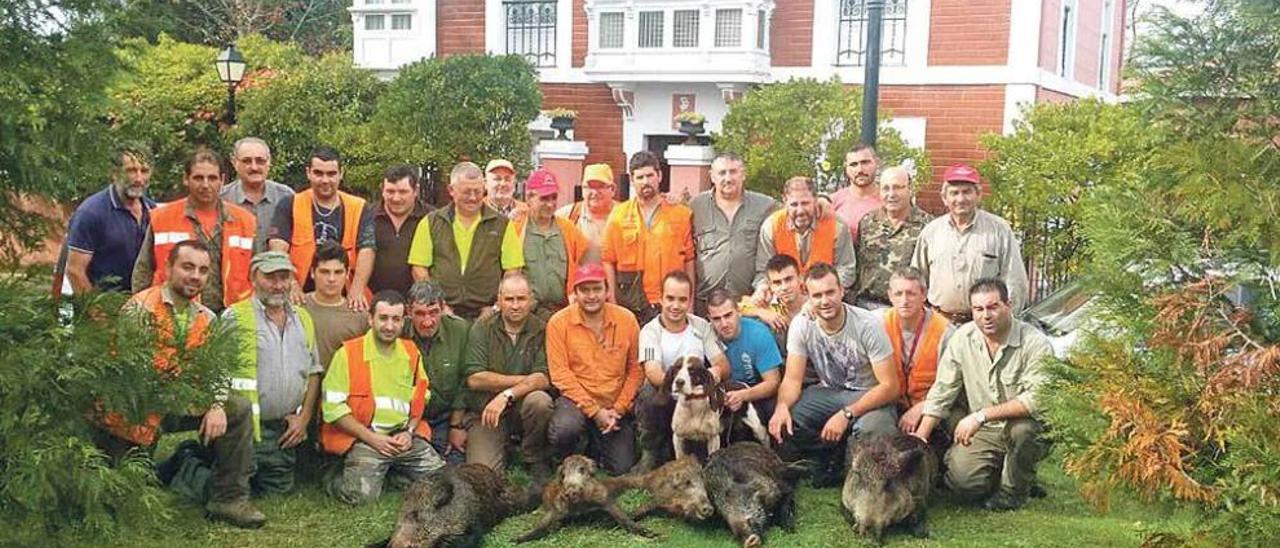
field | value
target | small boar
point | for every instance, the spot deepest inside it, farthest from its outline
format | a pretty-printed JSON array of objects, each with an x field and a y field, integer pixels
[
  {"x": 575, "y": 490},
  {"x": 750, "y": 487},
  {"x": 455, "y": 506},
  {"x": 676, "y": 488},
  {"x": 889, "y": 480}
]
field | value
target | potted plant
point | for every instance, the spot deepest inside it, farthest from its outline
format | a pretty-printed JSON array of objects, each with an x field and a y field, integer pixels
[
  {"x": 691, "y": 124},
  {"x": 562, "y": 121}
]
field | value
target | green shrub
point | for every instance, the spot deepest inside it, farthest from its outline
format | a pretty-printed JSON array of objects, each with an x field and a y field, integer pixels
[
  {"x": 804, "y": 127},
  {"x": 55, "y": 485}
]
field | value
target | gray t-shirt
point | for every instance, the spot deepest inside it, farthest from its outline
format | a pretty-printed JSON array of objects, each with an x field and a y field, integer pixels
[{"x": 842, "y": 359}]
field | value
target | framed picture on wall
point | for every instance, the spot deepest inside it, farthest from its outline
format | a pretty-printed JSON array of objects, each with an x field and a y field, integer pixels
[{"x": 682, "y": 102}]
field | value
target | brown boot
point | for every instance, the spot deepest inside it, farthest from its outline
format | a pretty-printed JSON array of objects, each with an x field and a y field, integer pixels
[{"x": 239, "y": 513}]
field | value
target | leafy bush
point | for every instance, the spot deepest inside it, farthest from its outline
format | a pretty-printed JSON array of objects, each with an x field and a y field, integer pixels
[
  {"x": 804, "y": 127},
  {"x": 55, "y": 485}
]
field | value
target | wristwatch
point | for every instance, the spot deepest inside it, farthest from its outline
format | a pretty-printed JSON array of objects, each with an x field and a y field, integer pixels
[
  {"x": 511, "y": 396},
  {"x": 848, "y": 415},
  {"x": 981, "y": 417}
]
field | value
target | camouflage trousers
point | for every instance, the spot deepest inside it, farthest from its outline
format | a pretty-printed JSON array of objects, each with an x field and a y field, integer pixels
[
  {"x": 1005, "y": 454},
  {"x": 364, "y": 470},
  {"x": 274, "y": 467}
]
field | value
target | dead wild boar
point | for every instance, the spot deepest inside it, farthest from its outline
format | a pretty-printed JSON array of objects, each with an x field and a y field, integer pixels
[
  {"x": 455, "y": 506},
  {"x": 751, "y": 487},
  {"x": 575, "y": 490},
  {"x": 889, "y": 480},
  {"x": 676, "y": 488}
]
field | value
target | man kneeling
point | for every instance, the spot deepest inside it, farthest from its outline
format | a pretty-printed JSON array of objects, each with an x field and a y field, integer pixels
[
  {"x": 998, "y": 362},
  {"x": 374, "y": 395}
]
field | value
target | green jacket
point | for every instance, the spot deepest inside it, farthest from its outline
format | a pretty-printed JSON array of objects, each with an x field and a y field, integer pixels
[
  {"x": 492, "y": 350},
  {"x": 443, "y": 357}
]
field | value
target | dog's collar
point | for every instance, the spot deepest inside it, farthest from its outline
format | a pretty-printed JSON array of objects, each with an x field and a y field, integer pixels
[{"x": 701, "y": 396}]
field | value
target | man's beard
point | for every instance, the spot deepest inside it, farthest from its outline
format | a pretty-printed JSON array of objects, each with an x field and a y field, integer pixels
[
  {"x": 131, "y": 192},
  {"x": 274, "y": 300}
]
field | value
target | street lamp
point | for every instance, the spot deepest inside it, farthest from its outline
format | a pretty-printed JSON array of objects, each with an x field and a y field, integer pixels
[
  {"x": 230, "y": 65},
  {"x": 871, "y": 76}
]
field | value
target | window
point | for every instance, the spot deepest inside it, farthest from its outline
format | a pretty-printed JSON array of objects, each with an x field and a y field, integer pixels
[
  {"x": 531, "y": 30},
  {"x": 651, "y": 29},
  {"x": 762, "y": 27},
  {"x": 851, "y": 43},
  {"x": 728, "y": 28},
  {"x": 1104, "y": 47},
  {"x": 375, "y": 22},
  {"x": 1067, "y": 40},
  {"x": 611, "y": 29},
  {"x": 402, "y": 21},
  {"x": 686, "y": 29}
]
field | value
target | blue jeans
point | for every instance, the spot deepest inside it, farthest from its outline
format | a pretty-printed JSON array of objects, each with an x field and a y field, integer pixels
[
  {"x": 817, "y": 404},
  {"x": 440, "y": 440}
]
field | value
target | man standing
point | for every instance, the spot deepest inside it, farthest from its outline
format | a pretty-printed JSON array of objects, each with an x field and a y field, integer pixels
[
  {"x": 108, "y": 228},
  {"x": 860, "y": 196},
  {"x": 252, "y": 190},
  {"x": 998, "y": 362},
  {"x": 592, "y": 212},
  {"x": 335, "y": 321},
  {"x": 506, "y": 370},
  {"x": 553, "y": 246},
  {"x": 646, "y": 238},
  {"x": 857, "y": 384},
  {"x": 753, "y": 355},
  {"x": 500, "y": 189},
  {"x": 279, "y": 373},
  {"x": 887, "y": 238},
  {"x": 593, "y": 359},
  {"x": 374, "y": 395},
  {"x": 965, "y": 245},
  {"x": 726, "y": 230},
  {"x": 919, "y": 337},
  {"x": 668, "y": 338},
  {"x": 394, "y": 223},
  {"x": 322, "y": 213},
  {"x": 441, "y": 338},
  {"x": 786, "y": 298},
  {"x": 798, "y": 231},
  {"x": 226, "y": 230},
  {"x": 466, "y": 247},
  {"x": 227, "y": 425}
]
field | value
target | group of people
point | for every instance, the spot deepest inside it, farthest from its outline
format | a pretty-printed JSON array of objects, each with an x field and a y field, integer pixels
[{"x": 407, "y": 340}]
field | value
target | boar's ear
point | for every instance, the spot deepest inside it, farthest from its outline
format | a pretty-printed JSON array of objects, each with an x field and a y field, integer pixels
[{"x": 907, "y": 461}]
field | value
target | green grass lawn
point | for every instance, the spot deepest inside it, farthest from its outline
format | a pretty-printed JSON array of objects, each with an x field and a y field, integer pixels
[{"x": 310, "y": 518}]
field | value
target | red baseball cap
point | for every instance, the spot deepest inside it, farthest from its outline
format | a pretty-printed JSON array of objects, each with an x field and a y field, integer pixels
[
  {"x": 961, "y": 173},
  {"x": 590, "y": 272},
  {"x": 541, "y": 182}
]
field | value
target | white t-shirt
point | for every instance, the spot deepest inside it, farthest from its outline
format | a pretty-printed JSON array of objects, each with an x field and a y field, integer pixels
[{"x": 696, "y": 339}]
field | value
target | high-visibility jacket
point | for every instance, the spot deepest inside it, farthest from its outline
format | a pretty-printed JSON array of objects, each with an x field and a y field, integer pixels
[
  {"x": 170, "y": 225},
  {"x": 244, "y": 379},
  {"x": 924, "y": 364},
  {"x": 575, "y": 245},
  {"x": 822, "y": 243},
  {"x": 302, "y": 243},
  {"x": 364, "y": 402},
  {"x": 151, "y": 300}
]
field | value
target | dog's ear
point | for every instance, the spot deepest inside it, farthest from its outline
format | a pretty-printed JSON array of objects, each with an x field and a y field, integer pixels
[
  {"x": 716, "y": 395},
  {"x": 669, "y": 377}
]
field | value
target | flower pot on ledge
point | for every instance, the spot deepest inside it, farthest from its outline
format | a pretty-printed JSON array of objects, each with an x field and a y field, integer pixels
[
  {"x": 562, "y": 124},
  {"x": 692, "y": 130}
]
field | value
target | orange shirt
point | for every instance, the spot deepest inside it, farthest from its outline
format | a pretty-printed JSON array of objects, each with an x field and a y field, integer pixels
[
  {"x": 208, "y": 221},
  {"x": 595, "y": 374},
  {"x": 657, "y": 250}
]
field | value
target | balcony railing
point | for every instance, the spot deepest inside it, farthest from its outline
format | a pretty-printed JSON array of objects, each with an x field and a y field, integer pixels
[{"x": 670, "y": 40}]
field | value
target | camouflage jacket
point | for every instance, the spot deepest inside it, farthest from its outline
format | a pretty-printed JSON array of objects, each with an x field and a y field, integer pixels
[{"x": 881, "y": 248}]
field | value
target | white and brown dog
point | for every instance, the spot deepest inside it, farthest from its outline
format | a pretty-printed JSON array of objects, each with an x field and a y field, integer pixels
[{"x": 699, "y": 401}]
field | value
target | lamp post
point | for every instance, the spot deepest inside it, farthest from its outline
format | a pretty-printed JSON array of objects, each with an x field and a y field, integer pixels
[
  {"x": 871, "y": 76},
  {"x": 230, "y": 65}
]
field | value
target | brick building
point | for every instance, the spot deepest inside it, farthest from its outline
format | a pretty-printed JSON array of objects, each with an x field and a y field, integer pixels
[{"x": 952, "y": 70}]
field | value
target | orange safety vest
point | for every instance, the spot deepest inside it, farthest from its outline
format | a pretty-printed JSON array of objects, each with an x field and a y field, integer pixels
[
  {"x": 361, "y": 399},
  {"x": 573, "y": 248},
  {"x": 152, "y": 302},
  {"x": 170, "y": 225},
  {"x": 302, "y": 245},
  {"x": 822, "y": 245},
  {"x": 925, "y": 362}
]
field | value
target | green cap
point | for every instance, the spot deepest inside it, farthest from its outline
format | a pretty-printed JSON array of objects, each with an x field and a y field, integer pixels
[{"x": 271, "y": 261}]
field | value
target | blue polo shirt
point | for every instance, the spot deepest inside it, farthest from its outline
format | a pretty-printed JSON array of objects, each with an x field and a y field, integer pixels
[
  {"x": 753, "y": 353},
  {"x": 103, "y": 227}
]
